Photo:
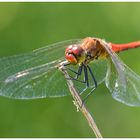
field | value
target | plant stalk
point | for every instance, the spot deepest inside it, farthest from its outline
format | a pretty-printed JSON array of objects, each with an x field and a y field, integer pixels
[{"x": 78, "y": 103}]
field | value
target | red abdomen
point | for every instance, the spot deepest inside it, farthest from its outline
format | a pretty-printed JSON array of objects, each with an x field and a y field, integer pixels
[{"x": 122, "y": 47}]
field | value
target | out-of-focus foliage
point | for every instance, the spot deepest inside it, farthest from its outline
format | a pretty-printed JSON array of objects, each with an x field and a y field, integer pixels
[{"x": 28, "y": 26}]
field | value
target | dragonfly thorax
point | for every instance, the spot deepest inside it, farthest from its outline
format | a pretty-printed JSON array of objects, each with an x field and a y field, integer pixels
[{"x": 93, "y": 48}]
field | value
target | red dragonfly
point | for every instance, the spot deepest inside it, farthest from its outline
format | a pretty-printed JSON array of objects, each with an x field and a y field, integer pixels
[{"x": 89, "y": 61}]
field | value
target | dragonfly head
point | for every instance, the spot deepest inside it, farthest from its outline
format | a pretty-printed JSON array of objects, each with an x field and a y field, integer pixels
[{"x": 75, "y": 54}]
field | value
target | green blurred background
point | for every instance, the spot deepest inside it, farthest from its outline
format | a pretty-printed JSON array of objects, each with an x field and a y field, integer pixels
[{"x": 28, "y": 26}]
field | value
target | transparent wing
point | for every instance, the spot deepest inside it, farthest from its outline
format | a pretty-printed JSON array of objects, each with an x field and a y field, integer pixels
[
  {"x": 123, "y": 83},
  {"x": 34, "y": 75}
]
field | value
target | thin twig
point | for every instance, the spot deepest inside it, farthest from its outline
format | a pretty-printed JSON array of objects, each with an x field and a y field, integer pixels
[{"x": 78, "y": 103}]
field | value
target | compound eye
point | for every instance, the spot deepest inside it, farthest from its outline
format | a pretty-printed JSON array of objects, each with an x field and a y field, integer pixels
[
  {"x": 74, "y": 54},
  {"x": 71, "y": 58},
  {"x": 76, "y": 50},
  {"x": 69, "y": 49}
]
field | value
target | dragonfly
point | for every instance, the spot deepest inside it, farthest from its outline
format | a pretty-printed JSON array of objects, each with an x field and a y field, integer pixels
[{"x": 89, "y": 62}]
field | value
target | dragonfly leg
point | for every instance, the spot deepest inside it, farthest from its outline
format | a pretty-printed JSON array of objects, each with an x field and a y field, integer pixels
[
  {"x": 93, "y": 77},
  {"x": 86, "y": 76},
  {"x": 78, "y": 73},
  {"x": 95, "y": 83},
  {"x": 85, "y": 79}
]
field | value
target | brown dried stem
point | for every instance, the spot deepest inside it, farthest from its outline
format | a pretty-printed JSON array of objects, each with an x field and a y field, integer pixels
[{"x": 78, "y": 103}]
